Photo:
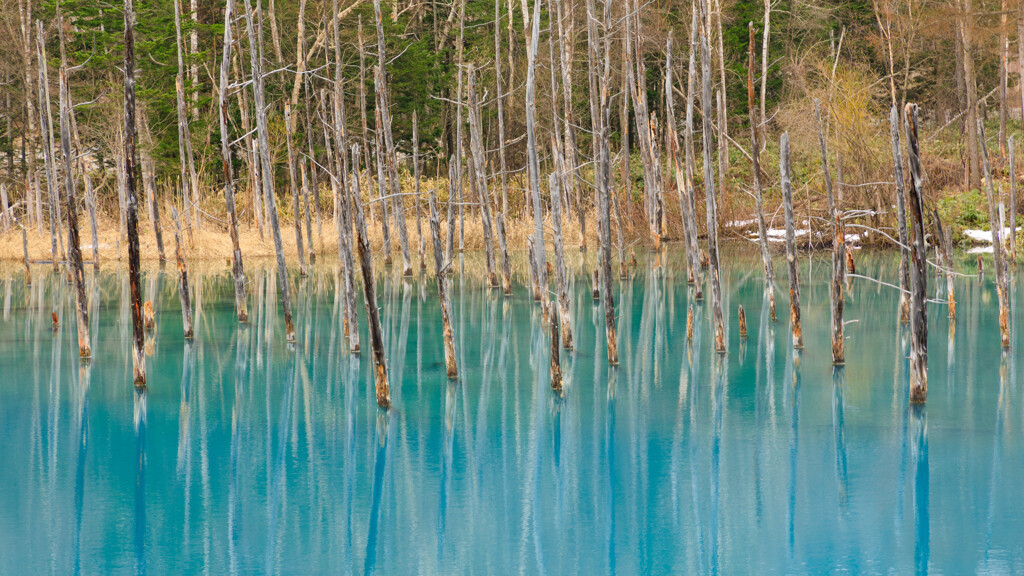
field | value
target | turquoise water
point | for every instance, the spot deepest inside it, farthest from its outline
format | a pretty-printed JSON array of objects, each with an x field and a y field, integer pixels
[{"x": 248, "y": 456}]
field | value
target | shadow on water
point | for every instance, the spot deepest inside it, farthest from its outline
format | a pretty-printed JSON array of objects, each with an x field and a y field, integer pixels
[{"x": 249, "y": 455}]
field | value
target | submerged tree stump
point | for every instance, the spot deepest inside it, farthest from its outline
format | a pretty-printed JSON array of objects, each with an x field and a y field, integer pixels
[
  {"x": 451, "y": 366},
  {"x": 183, "y": 290},
  {"x": 132, "y": 212},
  {"x": 1002, "y": 277},
  {"x": 794, "y": 272},
  {"x": 919, "y": 280}
]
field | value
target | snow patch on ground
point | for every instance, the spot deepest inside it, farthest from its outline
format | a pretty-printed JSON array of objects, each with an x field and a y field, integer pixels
[
  {"x": 985, "y": 236},
  {"x": 981, "y": 250},
  {"x": 739, "y": 223}
]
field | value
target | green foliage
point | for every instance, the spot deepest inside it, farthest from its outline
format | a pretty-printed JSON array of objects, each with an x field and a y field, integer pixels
[{"x": 964, "y": 210}]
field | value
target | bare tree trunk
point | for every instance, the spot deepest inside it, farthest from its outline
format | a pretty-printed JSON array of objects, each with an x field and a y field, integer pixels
[
  {"x": 342, "y": 201},
  {"x": 416, "y": 190},
  {"x": 556, "y": 364},
  {"x": 901, "y": 215},
  {"x": 1002, "y": 281},
  {"x": 476, "y": 145},
  {"x": 188, "y": 167},
  {"x": 604, "y": 168},
  {"x": 275, "y": 37},
  {"x": 691, "y": 191},
  {"x": 635, "y": 81},
  {"x": 450, "y": 363},
  {"x": 755, "y": 155},
  {"x": 183, "y": 289},
  {"x": 254, "y": 31},
  {"x": 946, "y": 245},
  {"x": 74, "y": 248},
  {"x": 366, "y": 130},
  {"x": 193, "y": 68},
  {"x": 918, "y": 315},
  {"x": 384, "y": 110},
  {"x": 709, "y": 186},
  {"x": 370, "y": 294},
  {"x": 1013, "y": 204},
  {"x": 560, "y": 271},
  {"x": 138, "y": 334},
  {"x": 533, "y": 163},
  {"x": 237, "y": 271},
  {"x": 677, "y": 160},
  {"x": 1004, "y": 49},
  {"x": 148, "y": 184},
  {"x": 378, "y": 153},
  {"x": 723, "y": 123},
  {"x": 838, "y": 251},
  {"x": 500, "y": 99},
  {"x": 296, "y": 207},
  {"x": 24, "y": 247},
  {"x": 252, "y": 159},
  {"x": 965, "y": 22},
  {"x": 765, "y": 36},
  {"x": 46, "y": 131},
  {"x": 794, "y": 274}
]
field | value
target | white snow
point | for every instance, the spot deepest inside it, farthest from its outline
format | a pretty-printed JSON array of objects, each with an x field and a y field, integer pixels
[{"x": 985, "y": 236}]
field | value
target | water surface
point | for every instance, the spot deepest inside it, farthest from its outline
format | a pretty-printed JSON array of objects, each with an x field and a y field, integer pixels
[{"x": 249, "y": 456}]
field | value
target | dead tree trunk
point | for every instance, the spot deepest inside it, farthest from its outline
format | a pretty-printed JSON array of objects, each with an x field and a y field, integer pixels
[
  {"x": 533, "y": 162},
  {"x": 1013, "y": 205},
  {"x": 255, "y": 33},
  {"x": 838, "y": 250},
  {"x": 635, "y": 81},
  {"x": 966, "y": 25},
  {"x": 794, "y": 273},
  {"x": 296, "y": 207},
  {"x": 237, "y": 271},
  {"x": 709, "y": 186},
  {"x": 560, "y": 272},
  {"x": 149, "y": 184},
  {"x": 74, "y": 247},
  {"x": 384, "y": 106},
  {"x": 451, "y": 366},
  {"x": 189, "y": 178},
  {"x": 556, "y": 363},
  {"x": 46, "y": 131},
  {"x": 755, "y": 156},
  {"x": 416, "y": 191},
  {"x": 183, "y": 289},
  {"x": 370, "y": 294},
  {"x": 130, "y": 172},
  {"x": 1002, "y": 281},
  {"x": 604, "y": 169},
  {"x": 919, "y": 281},
  {"x": 570, "y": 155},
  {"x": 24, "y": 247},
  {"x": 476, "y": 146},
  {"x": 378, "y": 154},
  {"x": 499, "y": 98},
  {"x": 901, "y": 216},
  {"x": 691, "y": 192},
  {"x": 946, "y": 245}
]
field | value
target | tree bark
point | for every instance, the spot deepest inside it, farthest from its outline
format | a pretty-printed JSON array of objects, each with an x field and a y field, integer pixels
[
  {"x": 183, "y": 289},
  {"x": 533, "y": 162},
  {"x": 132, "y": 213},
  {"x": 946, "y": 245},
  {"x": 296, "y": 206},
  {"x": 709, "y": 186},
  {"x": 794, "y": 274},
  {"x": 1002, "y": 281},
  {"x": 901, "y": 215},
  {"x": 1013, "y": 204},
  {"x": 254, "y": 31},
  {"x": 755, "y": 155},
  {"x": 416, "y": 191},
  {"x": 476, "y": 146},
  {"x": 237, "y": 272},
  {"x": 560, "y": 271},
  {"x": 46, "y": 131},
  {"x": 450, "y": 363},
  {"x": 691, "y": 191},
  {"x": 604, "y": 168},
  {"x": 838, "y": 250},
  {"x": 919, "y": 280},
  {"x": 500, "y": 99},
  {"x": 965, "y": 23},
  {"x": 380, "y": 365}
]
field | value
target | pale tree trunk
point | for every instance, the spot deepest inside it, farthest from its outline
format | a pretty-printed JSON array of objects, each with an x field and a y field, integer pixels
[
  {"x": 183, "y": 289},
  {"x": 46, "y": 131},
  {"x": 755, "y": 155},
  {"x": 451, "y": 365},
  {"x": 193, "y": 67},
  {"x": 794, "y": 274},
  {"x": 416, "y": 190},
  {"x": 254, "y": 30},
  {"x": 275, "y": 37},
  {"x": 500, "y": 99},
  {"x": 237, "y": 272},
  {"x": 994, "y": 201},
  {"x": 296, "y": 207},
  {"x": 342, "y": 201},
  {"x": 765, "y": 36},
  {"x": 1013, "y": 205},
  {"x": 709, "y": 185},
  {"x": 901, "y": 216},
  {"x": 477, "y": 149},
  {"x": 138, "y": 333},
  {"x": 380, "y": 365},
  {"x": 946, "y": 245},
  {"x": 838, "y": 251},
  {"x": 29, "y": 136},
  {"x": 458, "y": 120},
  {"x": 723, "y": 123},
  {"x": 563, "y": 315},
  {"x": 1004, "y": 49},
  {"x": 565, "y": 9},
  {"x": 189, "y": 179},
  {"x": 533, "y": 164},
  {"x": 74, "y": 248},
  {"x": 149, "y": 185},
  {"x": 965, "y": 22},
  {"x": 691, "y": 189},
  {"x": 918, "y": 315}
]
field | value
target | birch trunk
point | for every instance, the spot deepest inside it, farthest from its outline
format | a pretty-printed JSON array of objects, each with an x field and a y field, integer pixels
[
  {"x": 46, "y": 141},
  {"x": 296, "y": 207},
  {"x": 533, "y": 162}
]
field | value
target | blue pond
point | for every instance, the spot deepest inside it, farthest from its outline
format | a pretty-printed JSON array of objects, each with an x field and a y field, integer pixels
[{"x": 250, "y": 456}]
